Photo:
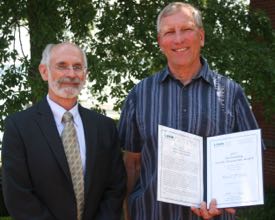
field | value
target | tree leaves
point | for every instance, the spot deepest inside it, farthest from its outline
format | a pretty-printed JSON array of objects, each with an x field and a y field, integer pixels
[
  {"x": 235, "y": 38},
  {"x": 121, "y": 40}
]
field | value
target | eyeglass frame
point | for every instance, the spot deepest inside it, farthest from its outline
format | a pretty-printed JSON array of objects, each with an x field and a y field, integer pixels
[{"x": 78, "y": 69}]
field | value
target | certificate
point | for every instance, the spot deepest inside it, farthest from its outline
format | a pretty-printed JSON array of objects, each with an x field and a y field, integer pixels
[
  {"x": 233, "y": 167},
  {"x": 180, "y": 166}
]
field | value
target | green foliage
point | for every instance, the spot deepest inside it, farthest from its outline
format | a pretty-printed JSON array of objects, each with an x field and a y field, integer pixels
[
  {"x": 263, "y": 212},
  {"x": 239, "y": 43},
  {"x": 121, "y": 40},
  {"x": 46, "y": 22},
  {"x": 126, "y": 48}
]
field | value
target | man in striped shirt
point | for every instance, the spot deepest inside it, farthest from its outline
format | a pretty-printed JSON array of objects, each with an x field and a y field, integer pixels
[{"x": 186, "y": 95}]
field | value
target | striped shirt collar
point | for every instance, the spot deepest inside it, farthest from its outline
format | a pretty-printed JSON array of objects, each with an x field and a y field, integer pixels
[{"x": 204, "y": 73}]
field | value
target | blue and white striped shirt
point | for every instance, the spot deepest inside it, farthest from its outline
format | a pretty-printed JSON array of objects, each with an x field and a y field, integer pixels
[{"x": 210, "y": 105}]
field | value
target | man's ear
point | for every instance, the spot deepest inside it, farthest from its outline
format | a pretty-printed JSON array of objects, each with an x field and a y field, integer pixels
[
  {"x": 159, "y": 43},
  {"x": 202, "y": 37},
  {"x": 43, "y": 71},
  {"x": 85, "y": 76}
]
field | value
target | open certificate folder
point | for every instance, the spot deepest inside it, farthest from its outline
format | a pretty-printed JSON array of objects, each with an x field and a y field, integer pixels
[{"x": 227, "y": 168}]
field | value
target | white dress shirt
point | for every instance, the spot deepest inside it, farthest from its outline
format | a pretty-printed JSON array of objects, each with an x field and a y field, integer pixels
[{"x": 58, "y": 113}]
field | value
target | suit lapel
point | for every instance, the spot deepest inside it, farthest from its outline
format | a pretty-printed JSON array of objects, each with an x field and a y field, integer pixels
[
  {"x": 90, "y": 132},
  {"x": 48, "y": 127}
]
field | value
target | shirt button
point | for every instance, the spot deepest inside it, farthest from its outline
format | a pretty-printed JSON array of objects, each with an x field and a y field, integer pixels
[{"x": 184, "y": 110}]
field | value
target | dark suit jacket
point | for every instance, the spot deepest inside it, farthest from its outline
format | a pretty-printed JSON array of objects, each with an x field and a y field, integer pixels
[{"x": 36, "y": 178}]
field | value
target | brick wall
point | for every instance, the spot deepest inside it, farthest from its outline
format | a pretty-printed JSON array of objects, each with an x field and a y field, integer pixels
[
  {"x": 268, "y": 132},
  {"x": 269, "y": 167},
  {"x": 268, "y": 127},
  {"x": 266, "y": 5}
]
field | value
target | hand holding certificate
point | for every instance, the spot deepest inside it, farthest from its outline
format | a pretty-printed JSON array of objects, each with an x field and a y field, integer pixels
[{"x": 234, "y": 168}]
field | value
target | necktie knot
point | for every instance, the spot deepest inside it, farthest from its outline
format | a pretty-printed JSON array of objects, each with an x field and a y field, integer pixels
[{"x": 67, "y": 117}]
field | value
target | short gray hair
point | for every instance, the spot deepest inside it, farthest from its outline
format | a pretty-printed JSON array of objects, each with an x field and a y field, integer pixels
[
  {"x": 46, "y": 55},
  {"x": 175, "y": 7}
]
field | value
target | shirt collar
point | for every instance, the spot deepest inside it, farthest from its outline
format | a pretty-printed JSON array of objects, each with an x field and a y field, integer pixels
[
  {"x": 58, "y": 112},
  {"x": 204, "y": 73}
]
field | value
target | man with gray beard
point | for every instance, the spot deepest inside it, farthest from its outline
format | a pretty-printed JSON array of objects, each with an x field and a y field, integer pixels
[{"x": 61, "y": 160}]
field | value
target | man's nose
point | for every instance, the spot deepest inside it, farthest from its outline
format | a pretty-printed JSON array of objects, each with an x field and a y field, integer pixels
[
  {"x": 179, "y": 37},
  {"x": 71, "y": 72}
]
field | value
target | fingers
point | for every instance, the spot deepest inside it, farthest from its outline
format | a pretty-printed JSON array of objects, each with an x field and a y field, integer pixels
[
  {"x": 196, "y": 211},
  {"x": 213, "y": 210},
  {"x": 202, "y": 211},
  {"x": 231, "y": 210},
  {"x": 205, "y": 213}
]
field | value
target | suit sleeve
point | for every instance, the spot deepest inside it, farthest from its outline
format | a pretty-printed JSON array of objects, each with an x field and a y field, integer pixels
[
  {"x": 110, "y": 207},
  {"x": 19, "y": 194}
]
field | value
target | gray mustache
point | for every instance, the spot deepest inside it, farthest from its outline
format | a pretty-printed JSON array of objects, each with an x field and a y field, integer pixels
[{"x": 69, "y": 80}]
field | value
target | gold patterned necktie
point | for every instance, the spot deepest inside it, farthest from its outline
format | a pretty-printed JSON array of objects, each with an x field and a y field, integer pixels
[{"x": 72, "y": 151}]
